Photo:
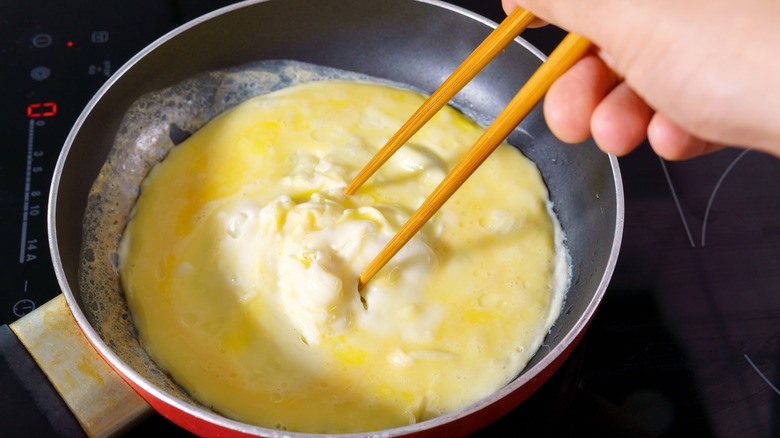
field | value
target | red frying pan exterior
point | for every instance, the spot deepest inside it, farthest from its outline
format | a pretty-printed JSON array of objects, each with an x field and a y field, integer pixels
[{"x": 412, "y": 42}]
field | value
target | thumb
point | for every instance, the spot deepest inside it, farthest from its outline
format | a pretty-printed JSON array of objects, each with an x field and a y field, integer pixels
[{"x": 589, "y": 18}]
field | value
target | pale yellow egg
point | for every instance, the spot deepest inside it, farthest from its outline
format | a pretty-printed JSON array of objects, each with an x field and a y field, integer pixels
[{"x": 240, "y": 264}]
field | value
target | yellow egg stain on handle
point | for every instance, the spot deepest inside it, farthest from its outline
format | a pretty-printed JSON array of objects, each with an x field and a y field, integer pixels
[{"x": 251, "y": 302}]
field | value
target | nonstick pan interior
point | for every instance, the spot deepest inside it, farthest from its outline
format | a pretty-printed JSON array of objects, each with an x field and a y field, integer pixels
[{"x": 409, "y": 42}]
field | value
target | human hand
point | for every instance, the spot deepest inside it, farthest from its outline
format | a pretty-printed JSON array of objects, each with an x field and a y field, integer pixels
[{"x": 697, "y": 75}]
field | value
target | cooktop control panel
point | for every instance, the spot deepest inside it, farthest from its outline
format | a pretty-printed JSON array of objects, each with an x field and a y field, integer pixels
[{"x": 686, "y": 340}]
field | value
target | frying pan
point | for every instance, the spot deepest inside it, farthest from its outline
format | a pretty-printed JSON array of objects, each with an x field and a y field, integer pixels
[{"x": 418, "y": 43}]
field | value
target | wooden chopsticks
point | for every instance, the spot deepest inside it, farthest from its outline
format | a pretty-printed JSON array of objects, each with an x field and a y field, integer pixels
[
  {"x": 569, "y": 51},
  {"x": 512, "y": 25}
]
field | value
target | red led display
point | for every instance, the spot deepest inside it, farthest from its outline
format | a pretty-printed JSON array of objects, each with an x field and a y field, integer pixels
[{"x": 45, "y": 109}]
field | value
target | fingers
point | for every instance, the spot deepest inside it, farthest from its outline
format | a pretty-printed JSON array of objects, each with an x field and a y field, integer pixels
[
  {"x": 586, "y": 102},
  {"x": 619, "y": 122},
  {"x": 510, "y": 5},
  {"x": 671, "y": 142},
  {"x": 577, "y": 16},
  {"x": 590, "y": 101},
  {"x": 573, "y": 98}
]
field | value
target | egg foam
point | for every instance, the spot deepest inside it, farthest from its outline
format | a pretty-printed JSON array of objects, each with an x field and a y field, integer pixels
[{"x": 241, "y": 258}]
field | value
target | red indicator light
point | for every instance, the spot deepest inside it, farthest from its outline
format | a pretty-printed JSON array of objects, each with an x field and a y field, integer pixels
[
  {"x": 70, "y": 43},
  {"x": 46, "y": 109}
]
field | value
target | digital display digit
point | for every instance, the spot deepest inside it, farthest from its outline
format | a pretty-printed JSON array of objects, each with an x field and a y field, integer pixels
[{"x": 44, "y": 109}]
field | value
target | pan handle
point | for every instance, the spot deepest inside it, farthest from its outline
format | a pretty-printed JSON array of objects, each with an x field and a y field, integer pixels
[
  {"x": 27, "y": 395},
  {"x": 69, "y": 387}
]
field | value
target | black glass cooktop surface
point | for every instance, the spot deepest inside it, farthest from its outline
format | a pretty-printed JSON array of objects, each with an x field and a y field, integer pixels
[{"x": 685, "y": 343}]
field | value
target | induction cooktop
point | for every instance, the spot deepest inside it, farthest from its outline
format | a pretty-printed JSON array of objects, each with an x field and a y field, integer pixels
[{"x": 685, "y": 343}]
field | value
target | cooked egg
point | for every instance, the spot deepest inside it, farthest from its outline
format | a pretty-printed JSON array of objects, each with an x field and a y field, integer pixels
[{"x": 241, "y": 259}]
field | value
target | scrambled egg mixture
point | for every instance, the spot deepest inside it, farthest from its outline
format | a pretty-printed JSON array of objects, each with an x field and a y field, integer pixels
[{"x": 241, "y": 260}]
